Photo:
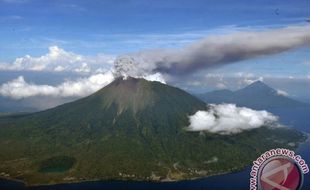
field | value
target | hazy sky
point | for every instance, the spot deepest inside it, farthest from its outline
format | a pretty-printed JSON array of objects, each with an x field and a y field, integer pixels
[{"x": 71, "y": 35}]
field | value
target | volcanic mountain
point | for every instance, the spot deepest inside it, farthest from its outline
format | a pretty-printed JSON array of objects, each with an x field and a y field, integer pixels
[
  {"x": 131, "y": 129},
  {"x": 257, "y": 95}
]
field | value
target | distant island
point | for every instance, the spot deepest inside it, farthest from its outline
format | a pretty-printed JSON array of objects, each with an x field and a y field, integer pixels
[{"x": 130, "y": 130}]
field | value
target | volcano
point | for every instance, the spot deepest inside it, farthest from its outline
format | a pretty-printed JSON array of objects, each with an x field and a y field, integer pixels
[
  {"x": 132, "y": 129},
  {"x": 257, "y": 95}
]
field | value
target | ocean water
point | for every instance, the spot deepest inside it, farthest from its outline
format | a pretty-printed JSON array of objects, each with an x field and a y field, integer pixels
[
  {"x": 298, "y": 118},
  {"x": 295, "y": 117}
]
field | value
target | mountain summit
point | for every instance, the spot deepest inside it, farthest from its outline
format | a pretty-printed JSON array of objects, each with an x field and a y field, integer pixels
[
  {"x": 139, "y": 94},
  {"x": 132, "y": 129},
  {"x": 257, "y": 87}
]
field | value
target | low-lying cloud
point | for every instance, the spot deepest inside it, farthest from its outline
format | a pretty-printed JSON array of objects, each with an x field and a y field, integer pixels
[
  {"x": 19, "y": 88},
  {"x": 251, "y": 80},
  {"x": 213, "y": 51},
  {"x": 230, "y": 119},
  {"x": 282, "y": 93}
]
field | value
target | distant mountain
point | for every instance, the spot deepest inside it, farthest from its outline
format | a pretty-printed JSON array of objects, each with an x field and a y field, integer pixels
[
  {"x": 257, "y": 95},
  {"x": 131, "y": 129}
]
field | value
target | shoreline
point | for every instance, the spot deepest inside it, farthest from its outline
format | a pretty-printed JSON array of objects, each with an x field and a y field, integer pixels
[{"x": 25, "y": 184}]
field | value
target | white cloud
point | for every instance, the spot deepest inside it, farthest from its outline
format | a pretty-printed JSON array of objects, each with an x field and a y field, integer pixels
[
  {"x": 282, "y": 93},
  {"x": 249, "y": 81},
  {"x": 229, "y": 119},
  {"x": 59, "y": 68},
  {"x": 19, "y": 88},
  {"x": 58, "y": 59}
]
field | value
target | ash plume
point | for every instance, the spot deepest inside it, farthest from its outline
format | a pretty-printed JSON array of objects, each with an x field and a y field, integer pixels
[{"x": 213, "y": 51}]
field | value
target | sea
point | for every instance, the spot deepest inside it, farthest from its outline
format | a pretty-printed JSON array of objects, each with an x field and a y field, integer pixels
[{"x": 298, "y": 118}]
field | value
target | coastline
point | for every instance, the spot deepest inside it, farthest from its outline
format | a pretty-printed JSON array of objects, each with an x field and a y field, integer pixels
[{"x": 25, "y": 184}]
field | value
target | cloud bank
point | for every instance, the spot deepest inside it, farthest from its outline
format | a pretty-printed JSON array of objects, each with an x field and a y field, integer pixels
[
  {"x": 19, "y": 88},
  {"x": 213, "y": 51},
  {"x": 249, "y": 81},
  {"x": 229, "y": 119},
  {"x": 58, "y": 60},
  {"x": 282, "y": 93}
]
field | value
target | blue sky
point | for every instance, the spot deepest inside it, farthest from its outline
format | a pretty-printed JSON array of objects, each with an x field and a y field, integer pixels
[
  {"x": 89, "y": 27},
  {"x": 112, "y": 28}
]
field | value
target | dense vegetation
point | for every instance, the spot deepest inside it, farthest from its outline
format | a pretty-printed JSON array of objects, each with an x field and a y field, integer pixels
[{"x": 131, "y": 129}]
